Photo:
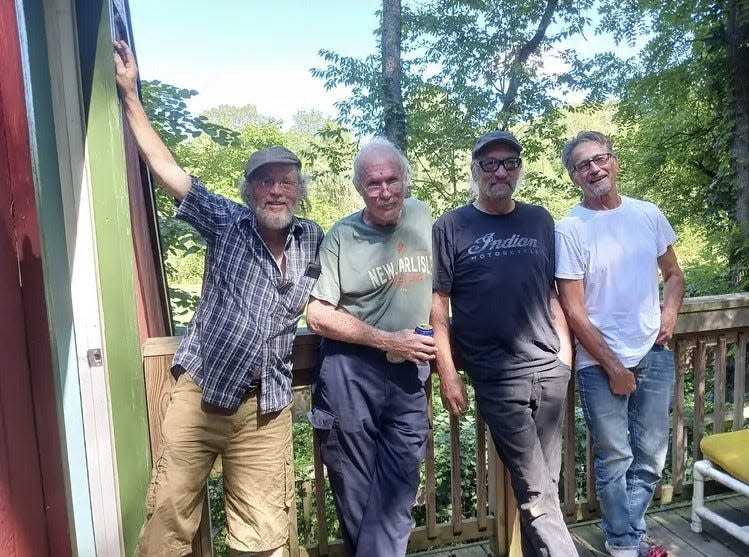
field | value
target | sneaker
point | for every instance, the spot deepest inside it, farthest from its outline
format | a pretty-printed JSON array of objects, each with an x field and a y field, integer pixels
[
  {"x": 621, "y": 551},
  {"x": 648, "y": 548}
]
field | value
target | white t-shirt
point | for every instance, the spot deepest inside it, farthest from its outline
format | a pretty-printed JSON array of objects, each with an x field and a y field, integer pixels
[{"x": 615, "y": 254}]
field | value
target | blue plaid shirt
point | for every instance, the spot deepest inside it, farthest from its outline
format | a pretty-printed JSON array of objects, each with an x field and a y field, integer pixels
[{"x": 245, "y": 324}]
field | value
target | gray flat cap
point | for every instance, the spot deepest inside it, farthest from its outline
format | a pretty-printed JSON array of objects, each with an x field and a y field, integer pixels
[
  {"x": 496, "y": 137},
  {"x": 270, "y": 155}
]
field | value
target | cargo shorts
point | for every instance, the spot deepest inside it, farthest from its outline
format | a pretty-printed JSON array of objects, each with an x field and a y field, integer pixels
[{"x": 258, "y": 475}]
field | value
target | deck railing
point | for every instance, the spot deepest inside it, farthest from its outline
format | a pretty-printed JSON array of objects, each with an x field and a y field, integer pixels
[{"x": 709, "y": 346}]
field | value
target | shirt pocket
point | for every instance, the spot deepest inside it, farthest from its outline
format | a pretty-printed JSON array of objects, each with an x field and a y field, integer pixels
[{"x": 295, "y": 298}]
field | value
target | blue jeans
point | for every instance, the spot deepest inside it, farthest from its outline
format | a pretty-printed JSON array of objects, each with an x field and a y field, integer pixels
[
  {"x": 524, "y": 416},
  {"x": 630, "y": 441}
]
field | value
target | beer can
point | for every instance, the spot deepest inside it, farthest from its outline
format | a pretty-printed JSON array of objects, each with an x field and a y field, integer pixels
[
  {"x": 424, "y": 369},
  {"x": 424, "y": 329}
]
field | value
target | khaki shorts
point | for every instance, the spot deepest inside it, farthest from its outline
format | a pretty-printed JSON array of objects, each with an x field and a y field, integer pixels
[{"x": 256, "y": 454}]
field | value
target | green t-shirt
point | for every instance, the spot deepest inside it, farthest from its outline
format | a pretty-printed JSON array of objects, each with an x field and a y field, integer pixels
[{"x": 380, "y": 275}]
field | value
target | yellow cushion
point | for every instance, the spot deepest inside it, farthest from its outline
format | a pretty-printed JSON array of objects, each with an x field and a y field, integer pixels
[{"x": 730, "y": 451}]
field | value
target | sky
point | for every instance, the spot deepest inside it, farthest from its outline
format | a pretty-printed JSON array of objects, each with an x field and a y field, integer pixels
[
  {"x": 251, "y": 51},
  {"x": 260, "y": 52}
]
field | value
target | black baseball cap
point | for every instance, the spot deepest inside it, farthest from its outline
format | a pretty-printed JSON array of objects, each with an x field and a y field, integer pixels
[
  {"x": 270, "y": 155},
  {"x": 496, "y": 137}
]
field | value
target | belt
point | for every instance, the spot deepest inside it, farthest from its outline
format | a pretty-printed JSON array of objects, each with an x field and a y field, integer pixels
[{"x": 252, "y": 388}]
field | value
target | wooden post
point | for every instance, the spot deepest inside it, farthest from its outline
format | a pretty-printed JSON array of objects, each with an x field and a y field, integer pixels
[
  {"x": 429, "y": 472},
  {"x": 497, "y": 493},
  {"x": 455, "y": 476},
  {"x": 739, "y": 382},
  {"x": 719, "y": 386},
  {"x": 678, "y": 438},
  {"x": 157, "y": 358},
  {"x": 699, "y": 397},
  {"x": 512, "y": 517}
]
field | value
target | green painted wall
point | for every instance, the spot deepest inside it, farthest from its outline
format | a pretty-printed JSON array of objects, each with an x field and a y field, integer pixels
[{"x": 115, "y": 254}]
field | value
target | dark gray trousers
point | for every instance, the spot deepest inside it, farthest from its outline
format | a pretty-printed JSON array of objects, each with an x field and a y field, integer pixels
[
  {"x": 524, "y": 415},
  {"x": 371, "y": 420}
]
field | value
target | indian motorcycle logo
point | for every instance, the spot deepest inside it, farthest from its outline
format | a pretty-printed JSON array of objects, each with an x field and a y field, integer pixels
[
  {"x": 402, "y": 270},
  {"x": 488, "y": 246}
]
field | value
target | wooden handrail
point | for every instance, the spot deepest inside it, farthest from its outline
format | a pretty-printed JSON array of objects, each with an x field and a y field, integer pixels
[{"x": 710, "y": 339}]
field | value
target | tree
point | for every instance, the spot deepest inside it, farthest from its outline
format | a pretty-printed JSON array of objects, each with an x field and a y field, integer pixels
[
  {"x": 468, "y": 66},
  {"x": 166, "y": 109},
  {"x": 683, "y": 111},
  {"x": 309, "y": 121},
  {"x": 238, "y": 117},
  {"x": 737, "y": 36},
  {"x": 395, "y": 115}
]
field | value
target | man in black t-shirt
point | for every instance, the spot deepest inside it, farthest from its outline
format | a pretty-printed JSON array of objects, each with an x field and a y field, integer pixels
[{"x": 494, "y": 260}]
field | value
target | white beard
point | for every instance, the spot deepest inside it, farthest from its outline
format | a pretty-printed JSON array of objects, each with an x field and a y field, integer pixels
[{"x": 272, "y": 220}]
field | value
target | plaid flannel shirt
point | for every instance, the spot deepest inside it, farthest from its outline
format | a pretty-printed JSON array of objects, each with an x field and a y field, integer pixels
[{"x": 245, "y": 323}]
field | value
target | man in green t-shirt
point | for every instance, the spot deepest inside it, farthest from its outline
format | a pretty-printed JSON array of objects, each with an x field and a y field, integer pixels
[{"x": 369, "y": 404}]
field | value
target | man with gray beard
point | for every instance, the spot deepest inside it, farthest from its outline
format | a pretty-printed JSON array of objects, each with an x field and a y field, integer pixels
[
  {"x": 233, "y": 367},
  {"x": 494, "y": 263}
]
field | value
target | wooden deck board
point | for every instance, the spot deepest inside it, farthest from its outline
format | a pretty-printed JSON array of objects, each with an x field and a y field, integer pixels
[
  {"x": 741, "y": 504},
  {"x": 474, "y": 549},
  {"x": 668, "y": 527},
  {"x": 724, "y": 509},
  {"x": 704, "y": 542},
  {"x": 673, "y": 543}
]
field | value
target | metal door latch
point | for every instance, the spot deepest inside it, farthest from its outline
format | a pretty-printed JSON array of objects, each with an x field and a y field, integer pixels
[{"x": 95, "y": 358}]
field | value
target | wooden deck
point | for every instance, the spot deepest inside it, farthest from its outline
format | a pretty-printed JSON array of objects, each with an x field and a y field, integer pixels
[
  {"x": 669, "y": 527},
  {"x": 710, "y": 349}
]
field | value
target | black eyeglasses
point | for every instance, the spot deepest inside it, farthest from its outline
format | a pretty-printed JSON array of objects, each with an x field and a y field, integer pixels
[
  {"x": 492, "y": 165},
  {"x": 599, "y": 160}
]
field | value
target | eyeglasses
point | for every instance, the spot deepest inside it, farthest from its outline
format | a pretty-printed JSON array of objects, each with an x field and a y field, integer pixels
[
  {"x": 393, "y": 186},
  {"x": 599, "y": 160},
  {"x": 268, "y": 183},
  {"x": 492, "y": 165}
]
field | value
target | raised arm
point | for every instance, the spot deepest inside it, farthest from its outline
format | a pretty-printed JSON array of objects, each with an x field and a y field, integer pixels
[
  {"x": 157, "y": 156},
  {"x": 324, "y": 319},
  {"x": 571, "y": 297},
  {"x": 673, "y": 294},
  {"x": 452, "y": 388}
]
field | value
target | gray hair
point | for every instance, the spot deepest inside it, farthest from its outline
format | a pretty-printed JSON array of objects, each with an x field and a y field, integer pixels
[
  {"x": 245, "y": 191},
  {"x": 380, "y": 143},
  {"x": 582, "y": 137}
]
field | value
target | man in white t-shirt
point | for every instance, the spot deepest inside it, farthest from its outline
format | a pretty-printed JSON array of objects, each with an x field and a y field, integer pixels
[{"x": 609, "y": 249}]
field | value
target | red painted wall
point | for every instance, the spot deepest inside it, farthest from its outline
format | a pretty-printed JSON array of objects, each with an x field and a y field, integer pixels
[{"x": 33, "y": 512}]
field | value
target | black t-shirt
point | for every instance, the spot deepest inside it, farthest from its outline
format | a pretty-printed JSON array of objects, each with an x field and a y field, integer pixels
[{"x": 499, "y": 273}]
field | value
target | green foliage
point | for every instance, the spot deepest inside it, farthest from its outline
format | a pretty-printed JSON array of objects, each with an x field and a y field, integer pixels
[
  {"x": 182, "y": 247},
  {"x": 218, "y": 515},
  {"x": 468, "y": 67},
  {"x": 675, "y": 117},
  {"x": 238, "y": 117},
  {"x": 442, "y": 461},
  {"x": 309, "y": 122},
  {"x": 166, "y": 109}
]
